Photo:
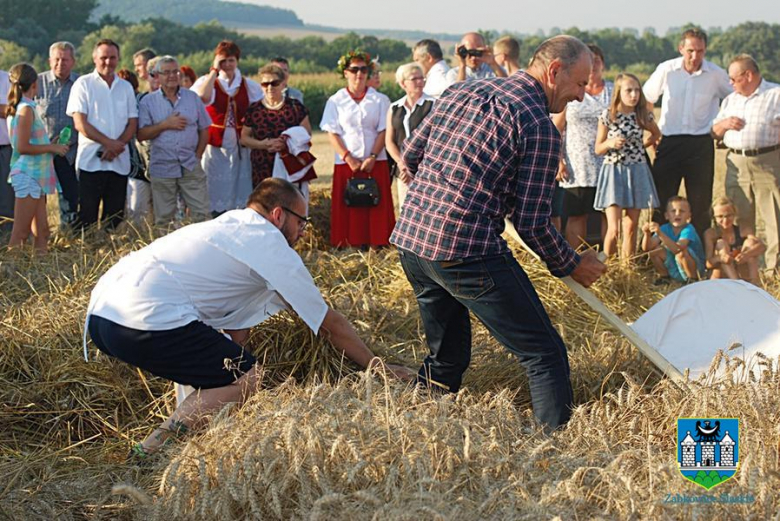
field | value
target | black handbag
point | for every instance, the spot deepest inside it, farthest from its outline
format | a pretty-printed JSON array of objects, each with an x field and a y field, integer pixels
[{"x": 361, "y": 192}]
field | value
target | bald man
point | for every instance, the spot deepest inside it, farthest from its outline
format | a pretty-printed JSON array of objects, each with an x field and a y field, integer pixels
[{"x": 475, "y": 59}]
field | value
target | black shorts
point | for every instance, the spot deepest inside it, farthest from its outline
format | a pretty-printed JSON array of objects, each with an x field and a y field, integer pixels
[
  {"x": 195, "y": 354},
  {"x": 579, "y": 200}
]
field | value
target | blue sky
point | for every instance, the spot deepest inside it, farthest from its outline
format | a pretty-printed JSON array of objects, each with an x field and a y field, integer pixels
[{"x": 458, "y": 16}]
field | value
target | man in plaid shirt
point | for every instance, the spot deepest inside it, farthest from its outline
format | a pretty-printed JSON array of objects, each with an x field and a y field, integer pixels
[{"x": 488, "y": 151}]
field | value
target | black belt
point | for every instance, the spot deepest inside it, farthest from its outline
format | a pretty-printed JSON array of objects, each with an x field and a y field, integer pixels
[{"x": 752, "y": 152}]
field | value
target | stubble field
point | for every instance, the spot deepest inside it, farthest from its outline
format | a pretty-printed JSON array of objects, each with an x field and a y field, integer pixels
[{"x": 322, "y": 441}]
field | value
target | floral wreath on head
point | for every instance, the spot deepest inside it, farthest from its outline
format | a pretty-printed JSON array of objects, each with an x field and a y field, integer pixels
[{"x": 346, "y": 59}]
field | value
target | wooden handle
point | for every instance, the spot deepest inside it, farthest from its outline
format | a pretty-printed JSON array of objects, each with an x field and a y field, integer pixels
[{"x": 612, "y": 319}]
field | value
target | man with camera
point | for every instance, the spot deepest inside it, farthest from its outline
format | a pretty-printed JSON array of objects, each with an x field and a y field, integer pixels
[{"x": 475, "y": 61}]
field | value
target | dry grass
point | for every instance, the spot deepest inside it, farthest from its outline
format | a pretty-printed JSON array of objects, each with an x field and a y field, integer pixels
[{"x": 320, "y": 441}]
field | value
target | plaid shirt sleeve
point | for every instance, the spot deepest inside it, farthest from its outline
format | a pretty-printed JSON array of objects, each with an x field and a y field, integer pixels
[{"x": 540, "y": 146}]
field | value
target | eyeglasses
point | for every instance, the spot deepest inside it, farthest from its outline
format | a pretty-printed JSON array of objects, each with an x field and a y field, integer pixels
[
  {"x": 304, "y": 221},
  {"x": 355, "y": 70},
  {"x": 416, "y": 78},
  {"x": 274, "y": 83},
  {"x": 169, "y": 73}
]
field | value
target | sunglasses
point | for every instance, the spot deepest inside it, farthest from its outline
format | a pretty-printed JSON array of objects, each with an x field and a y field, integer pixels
[
  {"x": 355, "y": 70},
  {"x": 304, "y": 221},
  {"x": 274, "y": 83}
]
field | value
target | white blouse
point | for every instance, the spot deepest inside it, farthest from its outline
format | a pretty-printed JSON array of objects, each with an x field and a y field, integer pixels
[{"x": 358, "y": 124}]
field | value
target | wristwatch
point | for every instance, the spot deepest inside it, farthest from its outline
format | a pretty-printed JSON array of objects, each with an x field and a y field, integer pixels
[{"x": 372, "y": 155}]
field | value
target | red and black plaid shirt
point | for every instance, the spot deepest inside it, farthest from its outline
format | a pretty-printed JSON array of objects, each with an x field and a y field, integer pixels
[{"x": 488, "y": 150}]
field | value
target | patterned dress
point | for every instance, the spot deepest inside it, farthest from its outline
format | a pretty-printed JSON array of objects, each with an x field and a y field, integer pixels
[
  {"x": 582, "y": 124},
  {"x": 625, "y": 179},
  {"x": 269, "y": 124},
  {"x": 38, "y": 167}
]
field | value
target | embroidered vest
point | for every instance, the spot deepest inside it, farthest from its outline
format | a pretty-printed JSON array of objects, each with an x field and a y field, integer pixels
[{"x": 219, "y": 109}]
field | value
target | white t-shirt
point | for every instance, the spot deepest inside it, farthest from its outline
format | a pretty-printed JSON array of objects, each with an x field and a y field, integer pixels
[
  {"x": 108, "y": 109},
  {"x": 5, "y": 86},
  {"x": 230, "y": 273},
  {"x": 690, "y": 101},
  {"x": 358, "y": 124}
]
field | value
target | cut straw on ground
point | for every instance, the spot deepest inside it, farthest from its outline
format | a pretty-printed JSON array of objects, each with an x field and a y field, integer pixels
[{"x": 321, "y": 440}]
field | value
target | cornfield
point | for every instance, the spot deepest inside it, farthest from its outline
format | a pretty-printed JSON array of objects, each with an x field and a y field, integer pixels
[{"x": 321, "y": 440}]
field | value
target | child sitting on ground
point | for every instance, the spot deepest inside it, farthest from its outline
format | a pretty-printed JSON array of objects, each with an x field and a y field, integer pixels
[
  {"x": 732, "y": 252},
  {"x": 675, "y": 248}
]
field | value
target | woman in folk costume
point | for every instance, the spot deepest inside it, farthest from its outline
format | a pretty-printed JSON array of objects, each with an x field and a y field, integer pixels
[
  {"x": 227, "y": 95},
  {"x": 355, "y": 119}
]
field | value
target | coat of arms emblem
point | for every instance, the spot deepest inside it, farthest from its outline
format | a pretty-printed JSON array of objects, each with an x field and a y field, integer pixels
[{"x": 708, "y": 449}]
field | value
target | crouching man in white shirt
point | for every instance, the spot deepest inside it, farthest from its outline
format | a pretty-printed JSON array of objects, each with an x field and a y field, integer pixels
[{"x": 160, "y": 308}]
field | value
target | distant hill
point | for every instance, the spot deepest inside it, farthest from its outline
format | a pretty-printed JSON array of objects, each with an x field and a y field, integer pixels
[
  {"x": 394, "y": 34},
  {"x": 249, "y": 18},
  {"x": 191, "y": 12}
]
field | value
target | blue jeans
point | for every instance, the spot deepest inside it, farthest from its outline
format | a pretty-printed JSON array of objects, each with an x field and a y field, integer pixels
[{"x": 498, "y": 292}]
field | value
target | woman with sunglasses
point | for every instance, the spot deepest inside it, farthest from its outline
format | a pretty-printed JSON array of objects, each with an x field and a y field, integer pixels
[
  {"x": 355, "y": 119},
  {"x": 265, "y": 120}
]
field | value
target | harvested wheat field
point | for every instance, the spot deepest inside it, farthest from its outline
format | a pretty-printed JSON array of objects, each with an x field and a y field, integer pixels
[{"x": 321, "y": 441}]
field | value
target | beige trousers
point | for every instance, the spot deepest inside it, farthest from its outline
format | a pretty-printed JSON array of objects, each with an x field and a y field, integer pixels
[
  {"x": 753, "y": 183},
  {"x": 194, "y": 190}
]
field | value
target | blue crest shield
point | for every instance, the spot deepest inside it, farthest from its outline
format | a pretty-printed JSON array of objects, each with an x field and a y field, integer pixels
[{"x": 708, "y": 449}]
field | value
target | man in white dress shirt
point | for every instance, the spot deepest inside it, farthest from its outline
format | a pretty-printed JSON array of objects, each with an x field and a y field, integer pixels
[
  {"x": 161, "y": 308},
  {"x": 692, "y": 89},
  {"x": 749, "y": 124},
  {"x": 428, "y": 55},
  {"x": 105, "y": 113}
]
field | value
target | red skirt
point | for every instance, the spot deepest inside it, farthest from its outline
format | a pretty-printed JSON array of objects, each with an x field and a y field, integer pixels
[{"x": 368, "y": 226}]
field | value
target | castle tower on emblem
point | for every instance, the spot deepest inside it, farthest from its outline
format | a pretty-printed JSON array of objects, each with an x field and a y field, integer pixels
[
  {"x": 727, "y": 451},
  {"x": 708, "y": 454},
  {"x": 688, "y": 446}
]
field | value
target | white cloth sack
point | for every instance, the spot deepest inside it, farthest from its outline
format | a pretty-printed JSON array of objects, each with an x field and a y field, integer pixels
[
  {"x": 690, "y": 325},
  {"x": 298, "y": 141}
]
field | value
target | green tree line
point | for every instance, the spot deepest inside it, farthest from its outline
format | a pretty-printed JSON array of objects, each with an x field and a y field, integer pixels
[
  {"x": 631, "y": 51},
  {"x": 27, "y": 28}
]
